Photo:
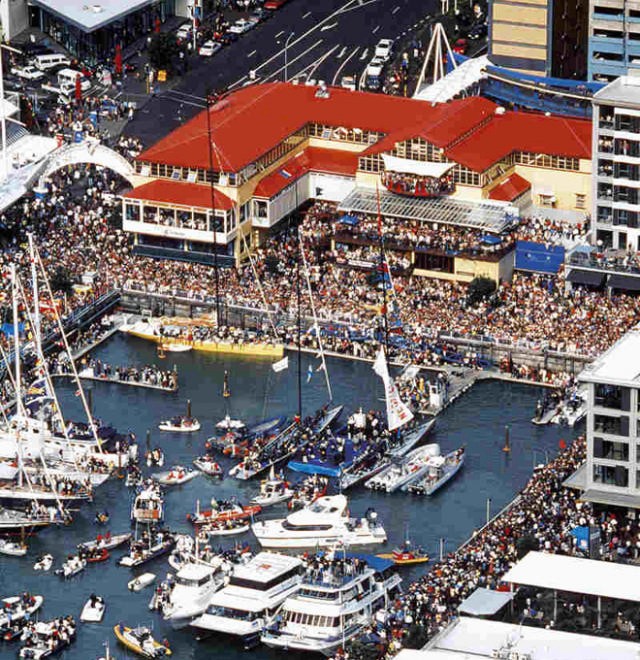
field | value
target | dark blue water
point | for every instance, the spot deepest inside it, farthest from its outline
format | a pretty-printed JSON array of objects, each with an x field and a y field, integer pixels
[{"x": 476, "y": 420}]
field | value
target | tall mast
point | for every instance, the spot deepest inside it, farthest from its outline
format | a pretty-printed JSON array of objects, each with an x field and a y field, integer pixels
[
  {"x": 210, "y": 102},
  {"x": 385, "y": 321},
  {"x": 16, "y": 337},
  {"x": 36, "y": 297}
]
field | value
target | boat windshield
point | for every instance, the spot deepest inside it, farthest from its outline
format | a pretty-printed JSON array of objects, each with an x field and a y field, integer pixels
[
  {"x": 186, "y": 582},
  {"x": 232, "y": 613},
  {"x": 314, "y": 620}
]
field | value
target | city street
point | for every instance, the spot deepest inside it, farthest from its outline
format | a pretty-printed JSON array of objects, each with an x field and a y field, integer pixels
[{"x": 330, "y": 40}]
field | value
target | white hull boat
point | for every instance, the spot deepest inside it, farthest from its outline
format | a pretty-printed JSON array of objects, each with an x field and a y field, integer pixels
[
  {"x": 93, "y": 610},
  {"x": 71, "y": 567},
  {"x": 221, "y": 529},
  {"x": 210, "y": 467},
  {"x": 176, "y": 476},
  {"x": 12, "y": 549},
  {"x": 140, "y": 582},
  {"x": 15, "y": 608},
  {"x": 44, "y": 563},
  {"x": 180, "y": 425},
  {"x": 408, "y": 470},
  {"x": 439, "y": 474},
  {"x": 107, "y": 542}
]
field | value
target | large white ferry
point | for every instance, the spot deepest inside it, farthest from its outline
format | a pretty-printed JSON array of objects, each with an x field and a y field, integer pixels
[
  {"x": 338, "y": 598},
  {"x": 323, "y": 523},
  {"x": 254, "y": 592}
]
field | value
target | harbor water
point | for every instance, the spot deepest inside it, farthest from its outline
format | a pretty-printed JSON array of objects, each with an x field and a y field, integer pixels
[{"x": 477, "y": 420}]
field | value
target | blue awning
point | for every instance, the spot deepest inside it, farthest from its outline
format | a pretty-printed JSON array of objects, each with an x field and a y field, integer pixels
[
  {"x": 349, "y": 219},
  {"x": 488, "y": 239},
  {"x": 375, "y": 562}
]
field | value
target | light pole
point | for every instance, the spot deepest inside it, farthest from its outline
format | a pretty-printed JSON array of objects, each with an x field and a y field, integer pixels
[{"x": 286, "y": 59}]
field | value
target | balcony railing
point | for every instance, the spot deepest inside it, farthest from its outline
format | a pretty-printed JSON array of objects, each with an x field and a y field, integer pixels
[{"x": 206, "y": 258}]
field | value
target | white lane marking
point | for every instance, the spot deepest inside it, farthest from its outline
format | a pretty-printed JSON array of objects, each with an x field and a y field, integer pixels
[
  {"x": 341, "y": 67},
  {"x": 181, "y": 101},
  {"x": 295, "y": 59},
  {"x": 307, "y": 15},
  {"x": 395, "y": 9},
  {"x": 363, "y": 57},
  {"x": 324, "y": 28},
  {"x": 322, "y": 59},
  {"x": 361, "y": 79},
  {"x": 279, "y": 34},
  {"x": 375, "y": 29},
  {"x": 252, "y": 53},
  {"x": 360, "y": 5},
  {"x": 340, "y": 55}
]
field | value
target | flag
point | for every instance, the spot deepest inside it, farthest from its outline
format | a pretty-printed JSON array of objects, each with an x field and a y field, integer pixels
[
  {"x": 309, "y": 372},
  {"x": 281, "y": 365},
  {"x": 397, "y": 412}
]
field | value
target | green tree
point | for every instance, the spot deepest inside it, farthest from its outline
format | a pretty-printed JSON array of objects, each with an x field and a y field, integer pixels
[
  {"x": 162, "y": 51},
  {"x": 61, "y": 280},
  {"x": 480, "y": 288}
]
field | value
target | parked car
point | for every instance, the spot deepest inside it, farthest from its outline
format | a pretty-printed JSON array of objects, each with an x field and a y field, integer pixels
[
  {"x": 27, "y": 72},
  {"x": 260, "y": 14},
  {"x": 384, "y": 48},
  {"x": 184, "y": 31},
  {"x": 241, "y": 26},
  {"x": 348, "y": 82},
  {"x": 209, "y": 48},
  {"x": 274, "y": 4}
]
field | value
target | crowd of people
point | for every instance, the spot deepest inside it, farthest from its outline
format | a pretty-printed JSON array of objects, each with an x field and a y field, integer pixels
[{"x": 146, "y": 375}]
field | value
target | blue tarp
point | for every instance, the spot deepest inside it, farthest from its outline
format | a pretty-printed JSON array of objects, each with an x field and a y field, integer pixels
[
  {"x": 349, "y": 219},
  {"x": 488, "y": 239},
  {"x": 313, "y": 468},
  {"x": 538, "y": 257},
  {"x": 7, "y": 329},
  {"x": 581, "y": 534}
]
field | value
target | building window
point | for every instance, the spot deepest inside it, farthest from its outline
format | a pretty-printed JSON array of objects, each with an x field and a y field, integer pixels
[
  {"x": 581, "y": 201},
  {"x": 610, "y": 450},
  {"x": 611, "y": 425},
  {"x": 611, "y": 475},
  {"x": 612, "y": 396},
  {"x": 132, "y": 212}
]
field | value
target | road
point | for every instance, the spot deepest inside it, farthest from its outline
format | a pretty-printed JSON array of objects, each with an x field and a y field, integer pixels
[{"x": 332, "y": 38}]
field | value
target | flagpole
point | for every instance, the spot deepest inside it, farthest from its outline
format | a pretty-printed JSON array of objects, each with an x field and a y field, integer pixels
[
  {"x": 385, "y": 321},
  {"x": 313, "y": 313}
]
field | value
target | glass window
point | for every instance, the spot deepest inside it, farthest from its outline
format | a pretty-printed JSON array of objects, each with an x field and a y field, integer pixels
[
  {"x": 611, "y": 425},
  {"x": 611, "y": 475},
  {"x": 613, "y": 451},
  {"x": 612, "y": 396},
  {"x": 132, "y": 212}
]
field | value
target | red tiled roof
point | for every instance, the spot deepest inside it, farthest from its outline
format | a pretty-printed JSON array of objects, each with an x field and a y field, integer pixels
[
  {"x": 312, "y": 159},
  {"x": 511, "y": 188},
  {"x": 177, "y": 192}
]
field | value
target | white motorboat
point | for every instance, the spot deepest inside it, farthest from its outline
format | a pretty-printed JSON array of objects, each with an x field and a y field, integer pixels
[
  {"x": 176, "y": 476},
  {"x": 44, "y": 563},
  {"x": 228, "y": 424},
  {"x": 148, "y": 506},
  {"x": 71, "y": 567},
  {"x": 226, "y": 528},
  {"x": 105, "y": 541},
  {"x": 46, "y": 638},
  {"x": 160, "y": 543},
  {"x": 273, "y": 490},
  {"x": 93, "y": 610},
  {"x": 180, "y": 424},
  {"x": 207, "y": 465},
  {"x": 334, "y": 605},
  {"x": 195, "y": 583},
  {"x": 324, "y": 523},
  {"x": 442, "y": 470},
  {"x": 176, "y": 347},
  {"x": 13, "y": 548},
  {"x": 141, "y": 581},
  {"x": 254, "y": 592},
  {"x": 406, "y": 470},
  {"x": 410, "y": 437},
  {"x": 15, "y": 608}
]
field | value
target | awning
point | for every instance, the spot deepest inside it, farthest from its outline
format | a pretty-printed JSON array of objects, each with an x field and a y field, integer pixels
[
  {"x": 611, "y": 499},
  {"x": 485, "y": 602},
  {"x": 349, "y": 219},
  {"x": 395, "y": 164},
  {"x": 589, "y": 277},
  {"x": 626, "y": 282},
  {"x": 488, "y": 239}
]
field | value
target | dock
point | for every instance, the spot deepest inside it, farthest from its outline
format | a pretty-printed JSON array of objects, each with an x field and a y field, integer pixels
[{"x": 117, "y": 381}]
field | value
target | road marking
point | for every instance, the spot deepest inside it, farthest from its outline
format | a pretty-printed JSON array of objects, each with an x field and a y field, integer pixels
[
  {"x": 295, "y": 59},
  {"x": 340, "y": 55},
  {"x": 341, "y": 67},
  {"x": 361, "y": 79},
  {"x": 360, "y": 4},
  {"x": 375, "y": 29},
  {"x": 181, "y": 101},
  {"x": 324, "y": 28},
  {"x": 252, "y": 53},
  {"x": 189, "y": 96},
  {"x": 307, "y": 14},
  {"x": 279, "y": 34},
  {"x": 395, "y": 9},
  {"x": 319, "y": 61}
]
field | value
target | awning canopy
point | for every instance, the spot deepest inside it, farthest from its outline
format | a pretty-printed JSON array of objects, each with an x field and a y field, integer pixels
[
  {"x": 575, "y": 575},
  {"x": 590, "y": 277},
  {"x": 626, "y": 282},
  {"x": 485, "y": 602},
  {"x": 421, "y": 168},
  {"x": 611, "y": 499},
  {"x": 348, "y": 219}
]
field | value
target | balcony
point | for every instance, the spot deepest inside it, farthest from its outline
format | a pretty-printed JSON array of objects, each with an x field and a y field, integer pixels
[{"x": 174, "y": 254}]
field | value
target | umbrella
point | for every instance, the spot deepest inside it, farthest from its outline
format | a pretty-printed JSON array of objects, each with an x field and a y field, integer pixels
[
  {"x": 78, "y": 88},
  {"x": 157, "y": 25},
  {"x": 118, "y": 60}
]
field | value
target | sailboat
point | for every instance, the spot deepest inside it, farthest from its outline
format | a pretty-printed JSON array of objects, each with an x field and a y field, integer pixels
[
  {"x": 181, "y": 423},
  {"x": 228, "y": 425}
]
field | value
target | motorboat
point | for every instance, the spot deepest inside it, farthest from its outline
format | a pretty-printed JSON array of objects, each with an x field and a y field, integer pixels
[
  {"x": 228, "y": 424},
  {"x": 93, "y": 610},
  {"x": 221, "y": 511},
  {"x": 236, "y": 442},
  {"x": 307, "y": 491},
  {"x": 105, "y": 541},
  {"x": 143, "y": 551},
  {"x": 273, "y": 490},
  {"x": 255, "y": 590},
  {"x": 13, "y": 548},
  {"x": 194, "y": 585},
  {"x": 226, "y": 528},
  {"x": 71, "y": 567},
  {"x": 176, "y": 476},
  {"x": 44, "y": 563},
  {"x": 338, "y": 599},
  {"x": 46, "y": 638},
  {"x": 406, "y": 470},
  {"x": 141, "y": 581},
  {"x": 96, "y": 555},
  {"x": 148, "y": 506},
  {"x": 441, "y": 471},
  {"x": 140, "y": 641},
  {"x": 323, "y": 523},
  {"x": 16, "y": 608},
  {"x": 207, "y": 465},
  {"x": 180, "y": 424},
  {"x": 176, "y": 347}
]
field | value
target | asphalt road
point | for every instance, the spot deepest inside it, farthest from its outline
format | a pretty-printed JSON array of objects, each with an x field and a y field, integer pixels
[{"x": 332, "y": 38}]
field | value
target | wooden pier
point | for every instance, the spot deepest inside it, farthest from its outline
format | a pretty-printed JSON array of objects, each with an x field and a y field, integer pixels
[{"x": 117, "y": 381}]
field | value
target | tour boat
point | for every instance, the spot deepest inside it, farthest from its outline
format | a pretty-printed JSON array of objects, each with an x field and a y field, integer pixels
[
  {"x": 138, "y": 555},
  {"x": 226, "y": 528},
  {"x": 441, "y": 470},
  {"x": 141, "y": 581},
  {"x": 140, "y": 641},
  {"x": 254, "y": 592},
  {"x": 207, "y": 465},
  {"x": 13, "y": 548},
  {"x": 222, "y": 511},
  {"x": 16, "y": 608},
  {"x": 46, "y": 638},
  {"x": 44, "y": 563},
  {"x": 323, "y": 523},
  {"x": 195, "y": 584},
  {"x": 176, "y": 476},
  {"x": 333, "y": 606},
  {"x": 71, "y": 567},
  {"x": 106, "y": 541},
  {"x": 273, "y": 490},
  {"x": 93, "y": 610},
  {"x": 148, "y": 506},
  {"x": 180, "y": 424},
  {"x": 406, "y": 470}
]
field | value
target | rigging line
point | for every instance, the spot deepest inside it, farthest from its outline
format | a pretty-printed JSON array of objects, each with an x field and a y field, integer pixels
[
  {"x": 313, "y": 312},
  {"x": 72, "y": 363}
]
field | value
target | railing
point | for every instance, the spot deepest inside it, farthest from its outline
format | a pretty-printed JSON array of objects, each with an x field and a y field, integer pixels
[
  {"x": 224, "y": 260},
  {"x": 605, "y": 265}
]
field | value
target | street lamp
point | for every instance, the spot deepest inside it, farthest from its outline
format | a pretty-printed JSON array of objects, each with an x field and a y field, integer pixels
[{"x": 286, "y": 60}]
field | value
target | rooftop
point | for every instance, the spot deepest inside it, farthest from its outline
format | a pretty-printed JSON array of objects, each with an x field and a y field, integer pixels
[
  {"x": 266, "y": 566},
  {"x": 166, "y": 191},
  {"x": 618, "y": 365},
  {"x": 473, "y": 639},
  {"x": 624, "y": 90},
  {"x": 576, "y": 575},
  {"x": 90, "y": 15}
]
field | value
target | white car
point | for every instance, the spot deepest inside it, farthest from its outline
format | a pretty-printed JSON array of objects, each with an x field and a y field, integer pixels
[
  {"x": 27, "y": 72},
  {"x": 241, "y": 26},
  {"x": 184, "y": 31},
  {"x": 348, "y": 82},
  {"x": 209, "y": 48},
  {"x": 384, "y": 49}
]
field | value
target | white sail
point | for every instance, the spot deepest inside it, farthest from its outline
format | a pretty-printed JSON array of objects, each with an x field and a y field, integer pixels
[{"x": 398, "y": 414}]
